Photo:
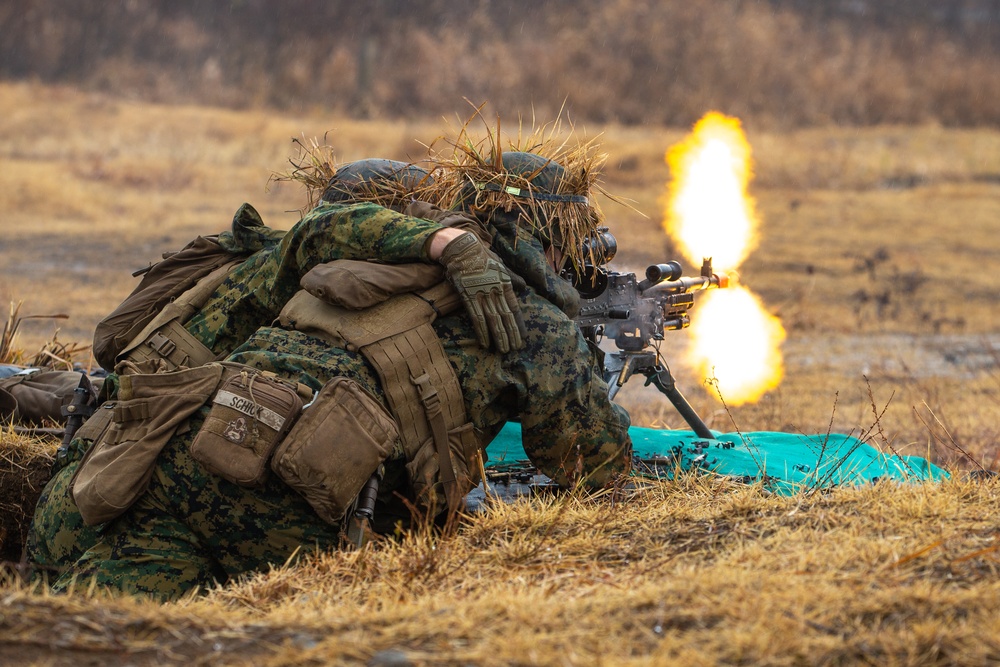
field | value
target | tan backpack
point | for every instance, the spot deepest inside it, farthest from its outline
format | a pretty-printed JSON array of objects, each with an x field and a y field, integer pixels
[{"x": 176, "y": 274}]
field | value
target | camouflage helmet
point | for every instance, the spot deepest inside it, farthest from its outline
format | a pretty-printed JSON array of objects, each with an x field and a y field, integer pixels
[
  {"x": 389, "y": 183},
  {"x": 553, "y": 206}
]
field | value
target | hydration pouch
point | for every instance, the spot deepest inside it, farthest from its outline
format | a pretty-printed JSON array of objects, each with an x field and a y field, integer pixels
[
  {"x": 250, "y": 413},
  {"x": 151, "y": 408},
  {"x": 335, "y": 447}
]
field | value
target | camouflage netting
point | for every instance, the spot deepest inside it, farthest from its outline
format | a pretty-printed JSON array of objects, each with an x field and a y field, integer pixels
[{"x": 25, "y": 467}]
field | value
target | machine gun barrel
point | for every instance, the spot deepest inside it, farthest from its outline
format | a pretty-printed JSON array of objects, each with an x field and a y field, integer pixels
[{"x": 687, "y": 284}]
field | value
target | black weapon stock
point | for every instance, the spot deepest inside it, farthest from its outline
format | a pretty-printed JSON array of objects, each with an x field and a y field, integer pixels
[{"x": 76, "y": 413}]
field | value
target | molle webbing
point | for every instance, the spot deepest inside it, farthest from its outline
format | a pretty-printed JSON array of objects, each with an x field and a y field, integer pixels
[
  {"x": 165, "y": 336},
  {"x": 426, "y": 399},
  {"x": 421, "y": 387}
]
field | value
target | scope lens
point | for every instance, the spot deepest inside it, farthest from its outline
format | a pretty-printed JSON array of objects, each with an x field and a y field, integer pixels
[{"x": 600, "y": 247}]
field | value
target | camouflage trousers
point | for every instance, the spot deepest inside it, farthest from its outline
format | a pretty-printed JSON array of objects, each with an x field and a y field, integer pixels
[
  {"x": 58, "y": 536},
  {"x": 193, "y": 530}
]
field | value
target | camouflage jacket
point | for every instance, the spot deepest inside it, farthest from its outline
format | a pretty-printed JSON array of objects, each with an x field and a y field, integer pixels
[
  {"x": 192, "y": 528},
  {"x": 256, "y": 290},
  {"x": 553, "y": 386}
]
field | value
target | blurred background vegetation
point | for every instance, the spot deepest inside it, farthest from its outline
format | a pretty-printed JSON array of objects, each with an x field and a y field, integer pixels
[{"x": 773, "y": 63}]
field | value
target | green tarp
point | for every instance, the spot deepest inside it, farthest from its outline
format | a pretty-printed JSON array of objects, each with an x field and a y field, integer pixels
[{"x": 785, "y": 462}]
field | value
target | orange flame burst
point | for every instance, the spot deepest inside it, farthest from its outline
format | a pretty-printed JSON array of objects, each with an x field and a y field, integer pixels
[{"x": 737, "y": 343}]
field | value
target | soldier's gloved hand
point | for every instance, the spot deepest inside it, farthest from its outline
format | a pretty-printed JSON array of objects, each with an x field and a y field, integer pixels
[{"x": 485, "y": 286}]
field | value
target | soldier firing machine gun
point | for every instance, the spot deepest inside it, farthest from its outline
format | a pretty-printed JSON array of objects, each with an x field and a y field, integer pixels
[{"x": 635, "y": 315}]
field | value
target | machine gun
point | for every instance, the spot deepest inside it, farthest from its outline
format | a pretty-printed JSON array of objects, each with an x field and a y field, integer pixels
[{"x": 636, "y": 314}]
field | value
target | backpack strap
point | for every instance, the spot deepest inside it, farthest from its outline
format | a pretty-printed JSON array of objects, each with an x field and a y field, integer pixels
[{"x": 165, "y": 336}]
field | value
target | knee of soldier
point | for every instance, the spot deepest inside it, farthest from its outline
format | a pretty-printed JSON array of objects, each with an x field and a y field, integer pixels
[{"x": 57, "y": 535}]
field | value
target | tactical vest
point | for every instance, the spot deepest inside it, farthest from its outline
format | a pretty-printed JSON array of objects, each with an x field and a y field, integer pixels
[
  {"x": 164, "y": 337},
  {"x": 384, "y": 312},
  {"x": 395, "y": 335}
]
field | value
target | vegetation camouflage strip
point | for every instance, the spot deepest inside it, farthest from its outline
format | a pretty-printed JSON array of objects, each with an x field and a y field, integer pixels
[{"x": 192, "y": 528}]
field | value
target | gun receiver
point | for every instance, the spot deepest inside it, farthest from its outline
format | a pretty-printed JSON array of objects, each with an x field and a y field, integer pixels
[{"x": 635, "y": 314}]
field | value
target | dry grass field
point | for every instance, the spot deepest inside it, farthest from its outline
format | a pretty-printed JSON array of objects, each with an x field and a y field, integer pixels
[{"x": 877, "y": 251}]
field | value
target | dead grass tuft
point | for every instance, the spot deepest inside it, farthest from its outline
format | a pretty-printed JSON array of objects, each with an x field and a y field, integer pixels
[
  {"x": 701, "y": 570},
  {"x": 316, "y": 164},
  {"x": 53, "y": 351},
  {"x": 25, "y": 466}
]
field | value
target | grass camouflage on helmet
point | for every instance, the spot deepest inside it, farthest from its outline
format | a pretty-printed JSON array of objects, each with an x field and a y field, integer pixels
[
  {"x": 549, "y": 181},
  {"x": 386, "y": 182},
  {"x": 389, "y": 183}
]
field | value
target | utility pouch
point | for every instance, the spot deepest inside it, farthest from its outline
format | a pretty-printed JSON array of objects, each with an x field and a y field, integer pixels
[
  {"x": 117, "y": 468},
  {"x": 335, "y": 447},
  {"x": 251, "y": 412}
]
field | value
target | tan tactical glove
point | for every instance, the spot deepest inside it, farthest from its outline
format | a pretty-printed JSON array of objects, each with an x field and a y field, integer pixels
[{"x": 484, "y": 283}]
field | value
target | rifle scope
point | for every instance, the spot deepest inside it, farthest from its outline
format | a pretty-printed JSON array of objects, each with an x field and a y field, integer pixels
[{"x": 591, "y": 279}]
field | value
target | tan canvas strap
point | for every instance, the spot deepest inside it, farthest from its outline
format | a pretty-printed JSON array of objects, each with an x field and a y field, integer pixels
[
  {"x": 424, "y": 396},
  {"x": 432, "y": 407},
  {"x": 134, "y": 411},
  {"x": 165, "y": 336}
]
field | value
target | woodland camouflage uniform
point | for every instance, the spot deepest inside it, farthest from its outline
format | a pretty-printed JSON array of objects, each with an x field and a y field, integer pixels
[{"x": 192, "y": 528}]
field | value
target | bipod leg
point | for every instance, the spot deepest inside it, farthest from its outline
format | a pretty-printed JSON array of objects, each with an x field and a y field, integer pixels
[{"x": 664, "y": 381}]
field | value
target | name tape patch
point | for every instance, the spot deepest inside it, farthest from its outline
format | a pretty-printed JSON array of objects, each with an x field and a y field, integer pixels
[{"x": 256, "y": 411}]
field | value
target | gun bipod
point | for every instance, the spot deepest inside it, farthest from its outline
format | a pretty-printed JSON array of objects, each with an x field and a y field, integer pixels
[{"x": 620, "y": 366}]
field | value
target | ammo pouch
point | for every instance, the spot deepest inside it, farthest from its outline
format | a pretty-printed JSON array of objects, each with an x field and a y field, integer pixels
[
  {"x": 251, "y": 412},
  {"x": 334, "y": 448},
  {"x": 117, "y": 468}
]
